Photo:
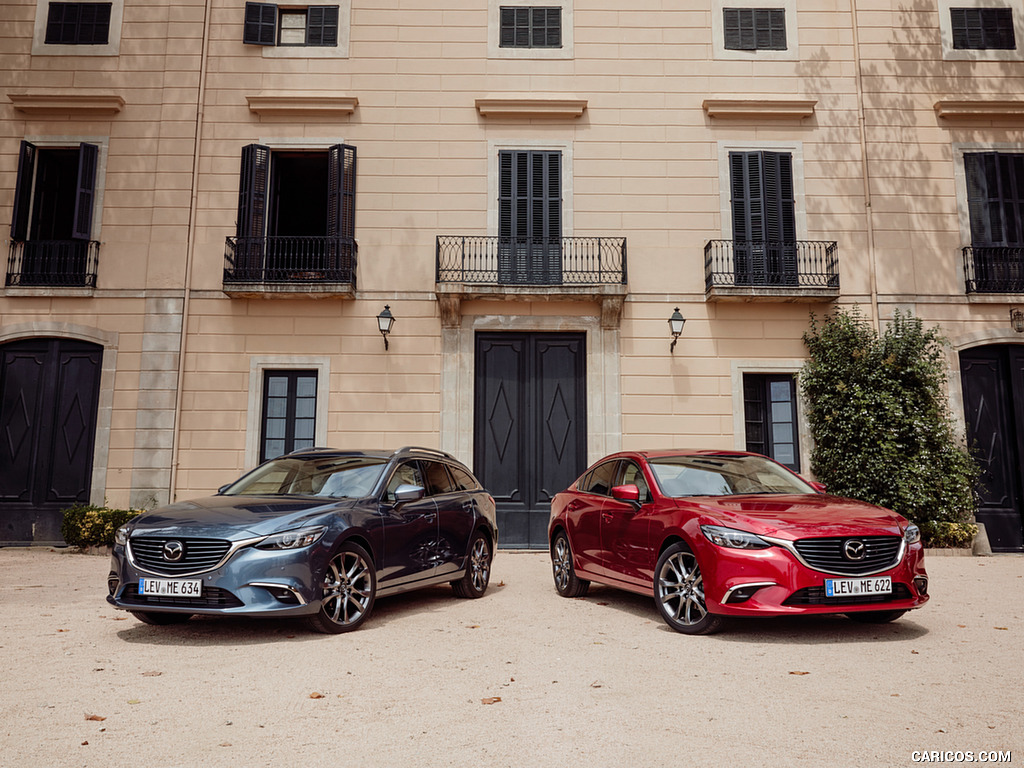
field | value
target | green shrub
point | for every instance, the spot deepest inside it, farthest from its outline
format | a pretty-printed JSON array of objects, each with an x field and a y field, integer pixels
[
  {"x": 880, "y": 422},
  {"x": 85, "y": 525},
  {"x": 946, "y": 535}
]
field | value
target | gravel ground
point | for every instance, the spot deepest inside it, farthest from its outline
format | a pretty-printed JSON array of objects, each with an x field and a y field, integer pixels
[{"x": 521, "y": 677}]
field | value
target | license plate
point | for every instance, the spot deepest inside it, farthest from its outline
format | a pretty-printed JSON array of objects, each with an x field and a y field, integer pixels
[
  {"x": 879, "y": 585},
  {"x": 171, "y": 588}
]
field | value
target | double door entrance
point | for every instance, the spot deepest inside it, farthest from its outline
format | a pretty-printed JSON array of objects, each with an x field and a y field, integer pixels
[
  {"x": 49, "y": 393},
  {"x": 530, "y": 429},
  {"x": 993, "y": 384}
]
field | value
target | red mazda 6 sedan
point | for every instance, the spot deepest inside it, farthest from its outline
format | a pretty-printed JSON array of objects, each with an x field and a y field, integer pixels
[{"x": 714, "y": 534}]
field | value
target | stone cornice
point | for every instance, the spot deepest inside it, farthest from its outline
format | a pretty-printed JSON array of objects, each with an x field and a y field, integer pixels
[
  {"x": 759, "y": 109},
  {"x": 550, "y": 107},
  {"x": 980, "y": 109},
  {"x": 302, "y": 105},
  {"x": 71, "y": 104}
]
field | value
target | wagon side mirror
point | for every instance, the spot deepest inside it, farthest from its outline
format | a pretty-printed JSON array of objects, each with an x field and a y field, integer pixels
[
  {"x": 404, "y": 493},
  {"x": 626, "y": 493}
]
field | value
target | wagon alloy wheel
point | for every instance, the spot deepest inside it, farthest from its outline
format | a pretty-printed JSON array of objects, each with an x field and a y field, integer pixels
[
  {"x": 349, "y": 587},
  {"x": 567, "y": 583},
  {"x": 679, "y": 593},
  {"x": 478, "y": 569}
]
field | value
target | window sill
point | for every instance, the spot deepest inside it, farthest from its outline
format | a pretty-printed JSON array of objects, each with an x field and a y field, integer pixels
[{"x": 71, "y": 104}]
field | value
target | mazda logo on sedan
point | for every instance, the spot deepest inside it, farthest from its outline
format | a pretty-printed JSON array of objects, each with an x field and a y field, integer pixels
[
  {"x": 174, "y": 551},
  {"x": 854, "y": 549}
]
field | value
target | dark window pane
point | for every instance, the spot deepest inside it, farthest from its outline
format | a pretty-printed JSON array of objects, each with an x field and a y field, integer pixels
[
  {"x": 530, "y": 27},
  {"x": 751, "y": 29},
  {"x": 289, "y": 417},
  {"x": 78, "y": 23},
  {"x": 769, "y": 407},
  {"x": 982, "y": 28}
]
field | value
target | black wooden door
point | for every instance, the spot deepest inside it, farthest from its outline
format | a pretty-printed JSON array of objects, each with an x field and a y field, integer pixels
[
  {"x": 993, "y": 384},
  {"x": 49, "y": 392},
  {"x": 529, "y": 426}
]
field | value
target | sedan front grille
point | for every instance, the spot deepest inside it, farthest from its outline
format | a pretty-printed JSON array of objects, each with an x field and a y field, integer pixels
[
  {"x": 199, "y": 554},
  {"x": 816, "y": 596},
  {"x": 833, "y": 554}
]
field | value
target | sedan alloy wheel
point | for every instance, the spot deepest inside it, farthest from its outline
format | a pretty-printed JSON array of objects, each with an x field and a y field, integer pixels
[{"x": 679, "y": 593}]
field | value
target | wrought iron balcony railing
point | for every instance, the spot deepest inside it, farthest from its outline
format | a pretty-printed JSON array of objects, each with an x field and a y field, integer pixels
[
  {"x": 993, "y": 269},
  {"x": 290, "y": 259},
  {"x": 525, "y": 261},
  {"x": 55, "y": 263},
  {"x": 798, "y": 265}
]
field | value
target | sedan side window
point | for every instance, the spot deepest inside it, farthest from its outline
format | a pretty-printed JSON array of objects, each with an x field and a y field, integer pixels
[
  {"x": 600, "y": 480},
  {"x": 406, "y": 474}
]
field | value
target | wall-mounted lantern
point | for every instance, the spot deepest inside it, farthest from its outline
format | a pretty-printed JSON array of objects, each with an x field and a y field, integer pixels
[
  {"x": 675, "y": 323},
  {"x": 384, "y": 322}
]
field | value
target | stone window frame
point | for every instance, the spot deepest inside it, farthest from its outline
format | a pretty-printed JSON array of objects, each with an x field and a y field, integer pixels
[
  {"x": 258, "y": 365},
  {"x": 949, "y": 53},
  {"x": 112, "y": 48},
  {"x": 720, "y": 52},
  {"x": 494, "y": 49}
]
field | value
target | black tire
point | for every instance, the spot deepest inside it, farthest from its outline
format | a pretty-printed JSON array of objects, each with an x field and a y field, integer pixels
[
  {"x": 875, "y": 617},
  {"x": 567, "y": 583},
  {"x": 478, "y": 569},
  {"x": 679, "y": 593},
  {"x": 161, "y": 619},
  {"x": 348, "y": 590}
]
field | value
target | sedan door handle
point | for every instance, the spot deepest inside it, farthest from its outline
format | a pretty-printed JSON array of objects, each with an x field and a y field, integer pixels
[{"x": 607, "y": 517}]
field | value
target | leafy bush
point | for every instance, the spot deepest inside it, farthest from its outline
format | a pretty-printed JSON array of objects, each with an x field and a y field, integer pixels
[
  {"x": 945, "y": 535},
  {"x": 880, "y": 423},
  {"x": 85, "y": 525}
]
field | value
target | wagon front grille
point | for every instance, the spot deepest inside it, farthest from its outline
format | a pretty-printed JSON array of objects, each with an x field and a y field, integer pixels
[
  {"x": 199, "y": 554},
  {"x": 828, "y": 554}
]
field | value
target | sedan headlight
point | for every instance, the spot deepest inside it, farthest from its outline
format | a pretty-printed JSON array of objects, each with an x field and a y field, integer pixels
[
  {"x": 912, "y": 534},
  {"x": 293, "y": 539},
  {"x": 121, "y": 535},
  {"x": 733, "y": 539}
]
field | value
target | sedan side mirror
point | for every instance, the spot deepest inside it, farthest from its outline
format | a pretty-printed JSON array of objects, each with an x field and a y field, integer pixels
[
  {"x": 404, "y": 493},
  {"x": 626, "y": 493},
  {"x": 819, "y": 487}
]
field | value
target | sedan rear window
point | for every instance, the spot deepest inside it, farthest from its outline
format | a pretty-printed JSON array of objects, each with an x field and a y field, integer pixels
[
  {"x": 335, "y": 478},
  {"x": 710, "y": 475}
]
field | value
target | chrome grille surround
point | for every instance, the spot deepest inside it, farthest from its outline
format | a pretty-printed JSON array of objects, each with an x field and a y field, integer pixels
[
  {"x": 825, "y": 555},
  {"x": 201, "y": 555}
]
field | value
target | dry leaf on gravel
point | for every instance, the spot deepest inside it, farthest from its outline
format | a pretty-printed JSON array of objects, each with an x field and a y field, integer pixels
[
  {"x": 97, "y": 718},
  {"x": 799, "y": 673},
  {"x": 152, "y": 674},
  {"x": 491, "y": 700},
  {"x": 316, "y": 695}
]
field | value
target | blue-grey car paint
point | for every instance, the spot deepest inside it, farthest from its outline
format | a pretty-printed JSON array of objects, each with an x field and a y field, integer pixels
[{"x": 384, "y": 530}]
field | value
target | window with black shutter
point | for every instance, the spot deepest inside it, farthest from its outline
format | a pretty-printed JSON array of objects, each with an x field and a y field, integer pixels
[
  {"x": 769, "y": 411},
  {"x": 995, "y": 198},
  {"x": 296, "y": 213},
  {"x": 310, "y": 26},
  {"x": 530, "y": 27},
  {"x": 752, "y": 29},
  {"x": 78, "y": 24},
  {"x": 529, "y": 217},
  {"x": 763, "y": 218},
  {"x": 982, "y": 28},
  {"x": 289, "y": 412}
]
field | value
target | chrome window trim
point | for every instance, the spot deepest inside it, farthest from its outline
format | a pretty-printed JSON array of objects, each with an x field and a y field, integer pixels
[
  {"x": 790, "y": 546},
  {"x": 235, "y": 546}
]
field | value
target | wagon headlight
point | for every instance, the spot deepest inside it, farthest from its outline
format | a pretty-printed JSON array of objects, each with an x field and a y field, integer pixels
[
  {"x": 121, "y": 535},
  {"x": 293, "y": 539},
  {"x": 912, "y": 534},
  {"x": 733, "y": 539}
]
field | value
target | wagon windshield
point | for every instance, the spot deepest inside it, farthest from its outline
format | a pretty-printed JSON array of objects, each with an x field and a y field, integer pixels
[
  {"x": 710, "y": 475},
  {"x": 335, "y": 478}
]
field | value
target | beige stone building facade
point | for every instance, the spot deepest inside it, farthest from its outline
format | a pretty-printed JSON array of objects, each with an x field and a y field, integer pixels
[{"x": 211, "y": 201}]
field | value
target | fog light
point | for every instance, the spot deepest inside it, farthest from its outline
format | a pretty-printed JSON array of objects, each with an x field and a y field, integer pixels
[
  {"x": 921, "y": 582},
  {"x": 744, "y": 593},
  {"x": 113, "y": 583}
]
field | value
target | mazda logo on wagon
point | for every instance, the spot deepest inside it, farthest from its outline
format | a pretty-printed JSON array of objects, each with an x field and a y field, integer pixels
[
  {"x": 174, "y": 551},
  {"x": 854, "y": 549}
]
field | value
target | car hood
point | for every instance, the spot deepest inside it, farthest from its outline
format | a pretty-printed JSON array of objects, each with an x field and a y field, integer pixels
[
  {"x": 799, "y": 515},
  {"x": 235, "y": 517}
]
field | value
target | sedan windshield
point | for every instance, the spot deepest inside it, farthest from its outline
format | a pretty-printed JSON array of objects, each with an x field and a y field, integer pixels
[
  {"x": 710, "y": 475},
  {"x": 335, "y": 478}
]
